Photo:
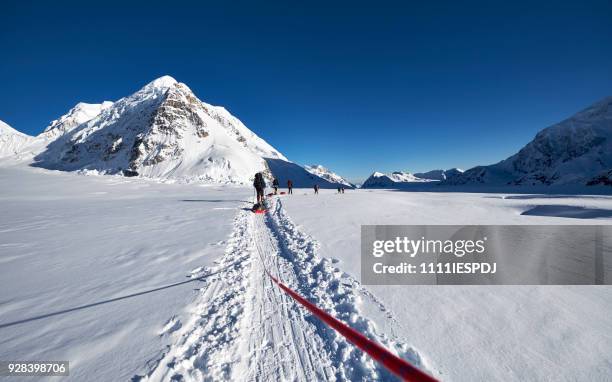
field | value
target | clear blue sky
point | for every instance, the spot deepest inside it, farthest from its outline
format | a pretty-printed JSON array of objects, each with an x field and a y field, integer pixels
[{"x": 356, "y": 86}]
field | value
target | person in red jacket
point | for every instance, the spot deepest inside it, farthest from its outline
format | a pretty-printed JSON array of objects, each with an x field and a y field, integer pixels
[{"x": 289, "y": 187}]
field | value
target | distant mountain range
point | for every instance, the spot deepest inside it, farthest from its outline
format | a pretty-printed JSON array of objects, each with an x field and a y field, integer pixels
[
  {"x": 400, "y": 179},
  {"x": 577, "y": 150},
  {"x": 440, "y": 174},
  {"x": 163, "y": 131}
]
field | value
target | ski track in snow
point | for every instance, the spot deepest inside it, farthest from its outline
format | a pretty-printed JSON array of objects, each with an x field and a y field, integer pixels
[{"x": 243, "y": 327}]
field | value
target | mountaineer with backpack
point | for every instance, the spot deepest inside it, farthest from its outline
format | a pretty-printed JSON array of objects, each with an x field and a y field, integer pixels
[
  {"x": 289, "y": 187},
  {"x": 275, "y": 185},
  {"x": 260, "y": 184}
]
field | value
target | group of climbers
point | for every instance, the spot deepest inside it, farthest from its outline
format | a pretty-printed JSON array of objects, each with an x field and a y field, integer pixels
[{"x": 260, "y": 184}]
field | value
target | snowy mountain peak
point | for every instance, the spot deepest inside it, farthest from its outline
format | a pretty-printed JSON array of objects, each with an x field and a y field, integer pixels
[
  {"x": 394, "y": 180},
  {"x": 163, "y": 82},
  {"x": 600, "y": 109},
  {"x": 316, "y": 167},
  {"x": 163, "y": 131},
  {"x": 570, "y": 152},
  {"x": 11, "y": 140},
  {"x": 328, "y": 175},
  {"x": 6, "y": 129},
  {"x": 80, "y": 113}
]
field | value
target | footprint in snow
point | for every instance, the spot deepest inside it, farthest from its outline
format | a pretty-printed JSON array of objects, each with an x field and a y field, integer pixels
[{"x": 171, "y": 326}]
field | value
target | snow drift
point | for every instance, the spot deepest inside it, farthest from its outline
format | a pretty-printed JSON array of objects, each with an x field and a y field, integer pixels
[{"x": 577, "y": 150}]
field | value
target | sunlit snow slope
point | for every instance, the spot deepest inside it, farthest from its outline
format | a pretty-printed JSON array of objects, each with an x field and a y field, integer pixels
[
  {"x": 79, "y": 114},
  {"x": 328, "y": 175},
  {"x": 11, "y": 140},
  {"x": 162, "y": 131}
]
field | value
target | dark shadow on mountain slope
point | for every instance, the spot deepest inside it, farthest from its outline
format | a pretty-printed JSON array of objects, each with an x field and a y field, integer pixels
[
  {"x": 100, "y": 149},
  {"x": 284, "y": 171},
  {"x": 568, "y": 212}
]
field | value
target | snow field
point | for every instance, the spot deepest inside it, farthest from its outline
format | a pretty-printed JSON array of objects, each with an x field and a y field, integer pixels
[
  {"x": 473, "y": 333},
  {"x": 273, "y": 337},
  {"x": 132, "y": 279}
]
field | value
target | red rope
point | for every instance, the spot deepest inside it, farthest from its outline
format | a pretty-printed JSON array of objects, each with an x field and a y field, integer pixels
[{"x": 393, "y": 363}]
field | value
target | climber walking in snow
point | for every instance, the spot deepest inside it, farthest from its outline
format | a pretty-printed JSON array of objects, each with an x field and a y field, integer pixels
[
  {"x": 275, "y": 185},
  {"x": 316, "y": 188},
  {"x": 289, "y": 187},
  {"x": 259, "y": 184}
]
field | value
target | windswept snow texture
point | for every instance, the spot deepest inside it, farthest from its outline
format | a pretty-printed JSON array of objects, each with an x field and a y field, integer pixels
[
  {"x": 11, "y": 140},
  {"x": 474, "y": 333},
  {"x": 245, "y": 328},
  {"x": 396, "y": 179},
  {"x": 284, "y": 171},
  {"x": 574, "y": 151},
  {"x": 129, "y": 279},
  {"x": 164, "y": 132},
  {"x": 100, "y": 271},
  {"x": 328, "y": 175}
]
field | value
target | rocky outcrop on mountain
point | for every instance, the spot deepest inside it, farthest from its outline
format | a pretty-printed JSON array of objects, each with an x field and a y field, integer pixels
[
  {"x": 396, "y": 179},
  {"x": 439, "y": 174},
  {"x": 603, "y": 179},
  {"x": 570, "y": 152},
  {"x": 162, "y": 131}
]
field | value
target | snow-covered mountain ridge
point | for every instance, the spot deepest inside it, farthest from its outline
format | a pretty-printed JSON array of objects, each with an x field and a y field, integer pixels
[
  {"x": 439, "y": 174},
  {"x": 574, "y": 151},
  {"x": 79, "y": 114},
  {"x": 393, "y": 180},
  {"x": 162, "y": 131},
  {"x": 11, "y": 140},
  {"x": 328, "y": 175},
  {"x": 22, "y": 147}
]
